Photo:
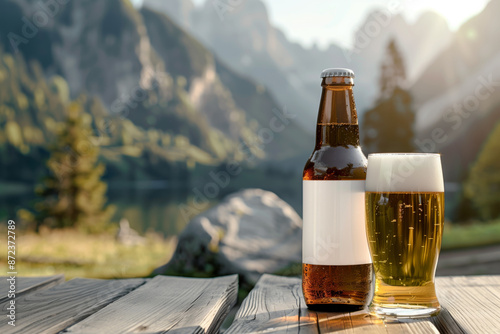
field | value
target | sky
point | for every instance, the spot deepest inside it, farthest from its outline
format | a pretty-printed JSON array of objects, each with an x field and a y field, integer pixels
[{"x": 326, "y": 21}]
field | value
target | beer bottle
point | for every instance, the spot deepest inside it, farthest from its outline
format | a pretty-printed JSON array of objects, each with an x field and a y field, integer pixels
[{"x": 336, "y": 264}]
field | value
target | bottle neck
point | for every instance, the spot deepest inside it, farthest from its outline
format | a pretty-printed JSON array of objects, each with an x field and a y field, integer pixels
[{"x": 337, "y": 118}]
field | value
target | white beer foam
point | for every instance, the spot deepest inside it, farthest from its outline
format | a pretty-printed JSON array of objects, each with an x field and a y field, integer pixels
[{"x": 404, "y": 172}]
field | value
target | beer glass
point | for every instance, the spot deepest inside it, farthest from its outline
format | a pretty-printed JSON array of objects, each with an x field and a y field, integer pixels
[{"x": 404, "y": 219}]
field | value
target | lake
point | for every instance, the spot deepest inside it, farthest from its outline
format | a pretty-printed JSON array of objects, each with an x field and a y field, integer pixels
[{"x": 151, "y": 206}]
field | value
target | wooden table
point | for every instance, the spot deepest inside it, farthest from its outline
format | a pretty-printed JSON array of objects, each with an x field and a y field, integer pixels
[
  {"x": 187, "y": 305},
  {"x": 159, "y": 305},
  {"x": 276, "y": 305}
]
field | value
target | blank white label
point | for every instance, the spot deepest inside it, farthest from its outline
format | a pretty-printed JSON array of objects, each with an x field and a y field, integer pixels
[{"x": 334, "y": 230}]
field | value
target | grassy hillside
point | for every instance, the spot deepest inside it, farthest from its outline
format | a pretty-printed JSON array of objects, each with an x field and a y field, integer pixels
[{"x": 32, "y": 109}]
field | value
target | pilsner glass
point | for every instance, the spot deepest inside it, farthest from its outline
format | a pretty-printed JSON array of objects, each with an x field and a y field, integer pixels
[{"x": 404, "y": 219}]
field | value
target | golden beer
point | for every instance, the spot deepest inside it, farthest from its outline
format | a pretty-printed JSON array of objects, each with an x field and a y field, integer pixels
[
  {"x": 404, "y": 230},
  {"x": 406, "y": 249}
]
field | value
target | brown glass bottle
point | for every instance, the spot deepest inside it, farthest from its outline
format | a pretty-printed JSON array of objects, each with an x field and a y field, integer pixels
[{"x": 336, "y": 268}]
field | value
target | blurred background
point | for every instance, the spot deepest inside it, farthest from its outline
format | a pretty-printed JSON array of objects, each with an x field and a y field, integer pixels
[{"x": 150, "y": 112}]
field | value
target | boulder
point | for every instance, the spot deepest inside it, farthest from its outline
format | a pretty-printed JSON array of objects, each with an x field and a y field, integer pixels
[{"x": 249, "y": 233}]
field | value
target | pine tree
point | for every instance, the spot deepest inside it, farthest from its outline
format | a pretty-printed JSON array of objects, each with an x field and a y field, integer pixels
[
  {"x": 482, "y": 186},
  {"x": 393, "y": 73},
  {"x": 388, "y": 126},
  {"x": 73, "y": 195}
]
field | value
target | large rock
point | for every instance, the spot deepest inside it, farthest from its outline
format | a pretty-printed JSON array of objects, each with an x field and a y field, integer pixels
[{"x": 250, "y": 233}]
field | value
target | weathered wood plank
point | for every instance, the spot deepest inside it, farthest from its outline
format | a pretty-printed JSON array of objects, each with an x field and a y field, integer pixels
[
  {"x": 363, "y": 322},
  {"x": 28, "y": 284},
  {"x": 276, "y": 305},
  {"x": 354, "y": 322},
  {"x": 52, "y": 310},
  {"x": 472, "y": 301},
  {"x": 167, "y": 305}
]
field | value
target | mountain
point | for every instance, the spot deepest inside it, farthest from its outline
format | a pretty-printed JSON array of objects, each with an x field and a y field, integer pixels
[
  {"x": 179, "y": 11},
  {"x": 160, "y": 100},
  {"x": 456, "y": 95},
  {"x": 227, "y": 98},
  {"x": 419, "y": 42},
  {"x": 244, "y": 38},
  {"x": 32, "y": 110},
  {"x": 474, "y": 45}
]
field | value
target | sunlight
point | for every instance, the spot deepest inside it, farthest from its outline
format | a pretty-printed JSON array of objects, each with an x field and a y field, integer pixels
[{"x": 455, "y": 14}]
